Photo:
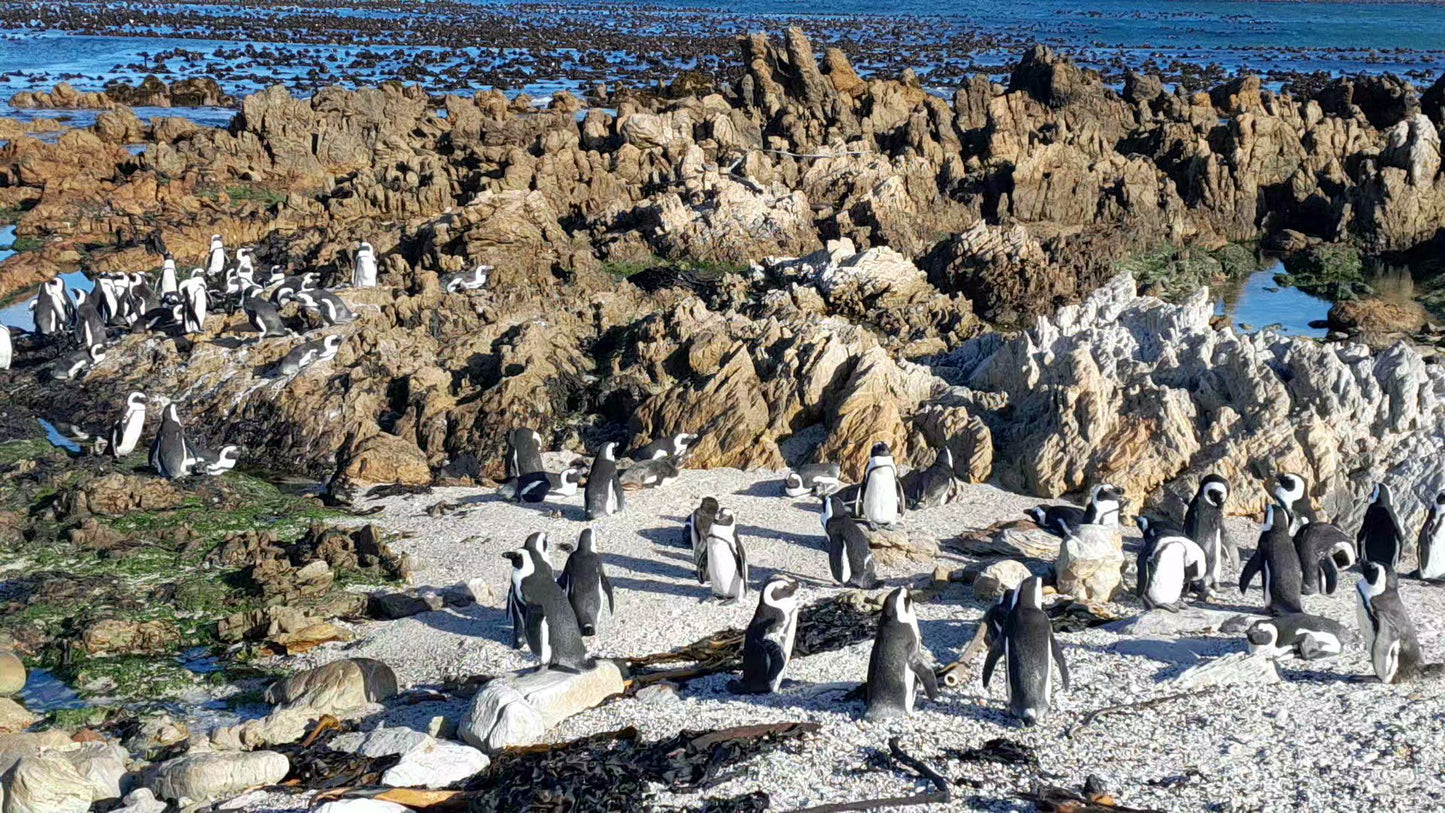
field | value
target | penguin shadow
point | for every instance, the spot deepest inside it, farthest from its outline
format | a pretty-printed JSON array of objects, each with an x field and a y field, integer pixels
[
  {"x": 668, "y": 536},
  {"x": 760, "y": 533},
  {"x": 648, "y": 567},
  {"x": 230, "y": 342},
  {"x": 692, "y": 590},
  {"x": 1294, "y": 670},
  {"x": 764, "y": 488},
  {"x": 475, "y": 621}
]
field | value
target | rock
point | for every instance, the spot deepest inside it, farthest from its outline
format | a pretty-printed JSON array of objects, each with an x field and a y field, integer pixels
[
  {"x": 1091, "y": 563},
  {"x": 382, "y": 742},
  {"x": 1188, "y": 621},
  {"x": 435, "y": 764},
  {"x": 204, "y": 777},
  {"x": 391, "y": 606},
  {"x": 1172, "y": 652},
  {"x": 281, "y": 727},
  {"x": 518, "y": 709},
  {"x": 384, "y": 458},
  {"x": 155, "y": 733},
  {"x": 115, "y": 495},
  {"x": 1016, "y": 537},
  {"x": 14, "y": 717},
  {"x": 663, "y": 693},
  {"x": 22, "y": 744},
  {"x": 998, "y": 578},
  {"x": 892, "y": 546},
  {"x": 1236, "y": 669},
  {"x": 1376, "y": 322},
  {"x": 46, "y": 783},
  {"x": 101, "y": 764},
  {"x": 141, "y": 800},
  {"x": 12, "y": 674},
  {"x": 361, "y": 806},
  {"x": 118, "y": 637},
  {"x": 337, "y": 688}
]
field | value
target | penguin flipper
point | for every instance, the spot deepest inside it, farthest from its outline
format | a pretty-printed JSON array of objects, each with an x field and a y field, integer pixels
[
  {"x": 1331, "y": 573},
  {"x": 926, "y": 676},
  {"x": 606, "y": 588},
  {"x": 1059, "y": 660},
  {"x": 564, "y": 581},
  {"x": 898, "y": 486},
  {"x": 1251, "y": 569},
  {"x": 742, "y": 565},
  {"x": 699, "y": 559},
  {"x": 995, "y": 651}
]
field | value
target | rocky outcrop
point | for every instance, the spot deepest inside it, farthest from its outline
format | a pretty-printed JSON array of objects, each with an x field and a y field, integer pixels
[{"x": 151, "y": 92}]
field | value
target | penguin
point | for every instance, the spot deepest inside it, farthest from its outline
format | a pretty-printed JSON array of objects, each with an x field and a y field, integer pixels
[
  {"x": 1324, "y": 550},
  {"x": 245, "y": 266},
  {"x": 585, "y": 582},
  {"x": 696, "y": 528},
  {"x": 849, "y": 557},
  {"x": 1105, "y": 503},
  {"x": 7, "y": 348},
  {"x": 821, "y": 479},
  {"x": 307, "y": 353},
  {"x": 721, "y": 559},
  {"x": 51, "y": 307},
  {"x": 650, "y": 473},
  {"x": 933, "y": 486},
  {"x": 363, "y": 273},
  {"x": 1390, "y": 638},
  {"x": 536, "y": 550},
  {"x": 1431, "y": 544},
  {"x": 1030, "y": 652},
  {"x": 469, "y": 280},
  {"x": 292, "y": 288},
  {"x": 897, "y": 664},
  {"x": 216, "y": 259},
  {"x": 1277, "y": 563},
  {"x": 333, "y": 310},
  {"x": 524, "y": 452},
  {"x": 880, "y": 496},
  {"x": 195, "y": 303},
  {"x": 1308, "y": 637},
  {"x": 125, "y": 433},
  {"x": 603, "y": 496},
  {"x": 105, "y": 299},
  {"x": 73, "y": 365},
  {"x": 551, "y": 625},
  {"x": 676, "y": 446},
  {"x": 1169, "y": 562},
  {"x": 1204, "y": 523},
  {"x": 170, "y": 451},
  {"x": 1290, "y": 493},
  {"x": 168, "y": 277},
  {"x": 143, "y": 299},
  {"x": 566, "y": 482},
  {"x": 262, "y": 315},
  {"x": 531, "y": 487},
  {"x": 1103, "y": 508},
  {"x": 768, "y": 642},
  {"x": 1380, "y": 538},
  {"x": 205, "y": 460},
  {"x": 89, "y": 324}
]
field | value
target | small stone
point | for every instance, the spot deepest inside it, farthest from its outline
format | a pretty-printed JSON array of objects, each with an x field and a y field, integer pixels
[
  {"x": 383, "y": 742},
  {"x": 659, "y": 694},
  {"x": 1239, "y": 668},
  {"x": 998, "y": 578},
  {"x": 391, "y": 606},
  {"x": 141, "y": 800}
]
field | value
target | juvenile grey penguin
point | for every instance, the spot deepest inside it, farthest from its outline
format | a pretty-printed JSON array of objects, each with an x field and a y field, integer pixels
[
  {"x": 1169, "y": 563},
  {"x": 849, "y": 556},
  {"x": 697, "y": 526},
  {"x": 652, "y": 473},
  {"x": 551, "y": 626},
  {"x": 208, "y": 461},
  {"x": 1030, "y": 652},
  {"x": 676, "y": 446},
  {"x": 1301, "y": 635},
  {"x": 524, "y": 452},
  {"x": 472, "y": 280},
  {"x": 820, "y": 479},
  {"x": 603, "y": 496},
  {"x": 536, "y": 550},
  {"x": 262, "y": 315},
  {"x": 768, "y": 642},
  {"x": 1204, "y": 523},
  {"x": 170, "y": 451},
  {"x": 1390, "y": 638},
  {"x": 1381, "y": 538},
  {"x": 721, "y": 559},
  {"x": 1276, "y": 562},
  {"x": 125, "y": 432},
  {"x": 585, "y": 582},
  {"x": 1431, "y": 544},
  {"x": 897, "y": 665},
  {"x": 880, "y": 495},
  {"x": 933, "y": 486}
]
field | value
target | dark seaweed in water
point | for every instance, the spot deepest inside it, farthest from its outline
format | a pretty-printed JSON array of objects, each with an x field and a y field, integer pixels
[{"x": 612, "y": 771}]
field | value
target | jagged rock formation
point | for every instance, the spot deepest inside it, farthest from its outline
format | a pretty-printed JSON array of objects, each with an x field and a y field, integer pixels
[{"x": 151, "y": 92}]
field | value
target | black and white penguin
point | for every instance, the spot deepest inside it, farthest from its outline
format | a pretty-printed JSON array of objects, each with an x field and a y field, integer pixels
[
  {"x": 245, "y": 266},
  {"x": 566, "y": 482},
  {"x": 1105, "y": 503},
  {"x": 1204, "y": 523},
  {"x": 880, "y": 495},
  {"x": 1390, "y": 638},
  {"x": 819, "y": 479},
  {"x": 768, "y": 642},
  {"x": 696, "y": 527},
  {"x": 143, "y": 298},
  {"x": 849, "y": 557},
  {"x": 89, "y": 324},
  {"x": 721, "y": 559},
  {"x": 7, "y": 348},
  {"x": 524, "y": 452},
  {"x": 307, "y": 353},
  {"x": 1169, "y": 563},
  {"x": 1030, "y": 652},
  {"x": 676, "y": 446},
  {"x": 194, "y": 302},
  {"x": 536, "y": 550},
  {"x": 73, "y": 365},
  {"x": 551, "y": 625},
  {"x": 603, "y": 496},
  {"x": 208, "y": 461},
  {"x": 1277, "y": 563},
  {"x": 472, "y": 280},
  {"x": 1381, "y": 539},
  {"x": 897, "y": 665},
  {"x": 933, "y": 486},
  {"x": 333, "y": 310},
  {"x": 585, "y": 582},
  {"x": 216, "y": 258},
  {"x": 363, "y": 271},
  {"x": 1291, "y": 494},
  {"x": 1324, "y": 551},
  {"x": 125, "y": 432},
  {"x": 532, "y": 487},
  {"x": 52, "y": 308},
  {"x": 652, "y": 473},
  {"x": 170, "y": 451},
  {"x": 262, "y": 315},
  {"x": 1309, "y": 637},
  {"x": 292, "y": 287},
  {"x": 168, "y": 280},
  {"x": 1431, "y": 544}
]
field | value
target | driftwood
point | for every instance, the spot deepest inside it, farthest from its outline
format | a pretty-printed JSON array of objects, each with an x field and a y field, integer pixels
[{"x": 940, "y": 795}]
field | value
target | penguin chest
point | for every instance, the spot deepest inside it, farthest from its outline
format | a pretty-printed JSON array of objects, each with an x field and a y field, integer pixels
[
  {"x": 880, "y": 499},
  {"x": 130, "y": 434},
  {"x": 1367, "y": 626},
  {"x": 1166, "y": 581},
  {"x": 722, "y": 567},
  {"x": 1432, "y": 555}
]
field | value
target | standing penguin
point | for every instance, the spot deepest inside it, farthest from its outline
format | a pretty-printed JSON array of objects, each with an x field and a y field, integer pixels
[
  {"x": 363, "y": 272},
  {"x": 697, "y": 526},
  {"x": 52, "y": 308},
  {"x": 7, "y": 348},
  {"x": 194, "y": 302},
  {"x": 933, "y": 486},
  {"x": 89, "y": 324},
  {"x": 524, "y": 452},
  {"x": 216, "y": 259},
  {"x": 821, "y": 479},
  {"x": 722, "y": 562},
  {"x": 125, "y": 433},
  {"x": 1390, "y": 638},
  {"x": 585, "y": 583},
  {"x": 768, "y": 642},
  {"x": 1030, "y": 652},
  {"x": 1169, "y": 562},
  {"x": 1431, "y": 544},
  {"x": 262, "y": 315},
  {"x": 170, "y": 452},
  {"x": 849, "y": 556},
  {"x": 552, "y": 631},
  {"x": 897, "y": 664},
  {"x": 1380, "y": 538},
  {"x": 880, "y": 495},
  {"x": 1324, "y": 550},
  {"x": 537, "y": 552},
  {"x": 1277, "y": 563},
  {"x": 1290, "y": 493},
  {"x": 1204, "y": 523},
  {"x": 168, "y": 277},
  {"x": 603, "y": 496}
]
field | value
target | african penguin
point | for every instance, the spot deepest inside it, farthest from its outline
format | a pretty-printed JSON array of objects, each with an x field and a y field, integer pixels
[
  {"x": 73, "y": 365},
  {"x": 1390, "y": 638},
  {"x": 650, "y": 473},
  {"x": 532, "y": 487},
  {"x": 566, "y": 482},
  {"x": 821, "y": 479},
  {"x": 1030, "y": 652},
  {"x": 1309, "y": 637},
  {"x": 7, "y": 348},
  {"x": 768, "y": 642},
  {"x": 363, "y": 273},
  {"x": 216, "y": 259},
  {"x": 1169, "y": 563},
  {"x": 1381, "y": 538},
  {"x": 676, "y": 446},
  {"x": 89, "y": 326},
  {"x": 849, "y": 556},
  {"x": 1103, "y": 508},
  {"x": 469, "y": 280},
  {"x": 933, "y": 486},
  {"x": 170, "y": 452},
  {"x": 1204, "y": 523},
  {"x": 168, "y": 277},
  {"x": 1290, "y": 493},
  {"x": 263, "y": 315},
  {"x": 292, "y": 287},
  {"x": 721, "y": 559},
  {"x": 194, "y": 301},
  {"x": 1431, "y": 544},
  {"x": 898, "y": 662},
  {"x": 552, "y": 631},
  {"x": 696, "y": 527},
  {"x": 333, "y": 310},
  {"x": 1276, "y": 562},
  {"x": 1324, "y": 550},
  {"x": 205, "y": 460},
  {"x": 307, "y": 353},
  {"x": 603, "y": 496},
  {"x": 585, "y": 582},
  {"x": 535, "y": 550},
  {"x": 125, "y": 432},
  {"x": 524, "y": 452},
  {"x": 52, "y": 308},
  {"x": 880, "y": 495}
]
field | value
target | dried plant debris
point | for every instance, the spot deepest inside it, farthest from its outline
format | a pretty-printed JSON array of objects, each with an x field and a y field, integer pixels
[
  {"x": 1092, "y": 798},
  {"x": 1000, "y": 750}
]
